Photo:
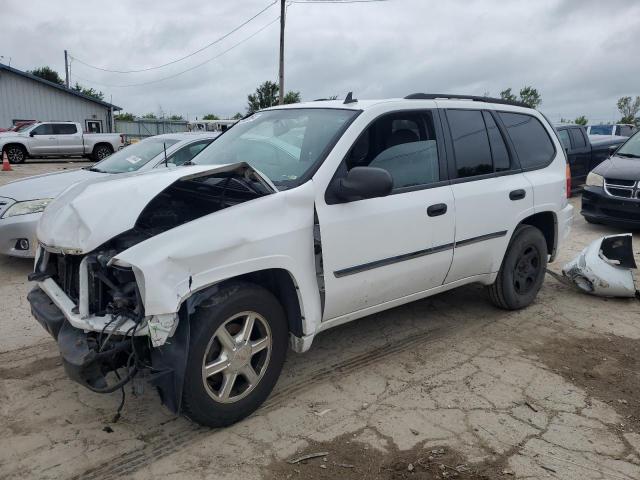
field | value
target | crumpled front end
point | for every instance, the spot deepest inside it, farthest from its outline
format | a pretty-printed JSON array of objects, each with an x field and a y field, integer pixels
[{"x": 94, "y": 306}]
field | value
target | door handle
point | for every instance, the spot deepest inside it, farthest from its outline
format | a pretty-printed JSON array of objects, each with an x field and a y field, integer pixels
[
  {"x": 517, "y": 194},
  {"x": 437, "y": 209}
]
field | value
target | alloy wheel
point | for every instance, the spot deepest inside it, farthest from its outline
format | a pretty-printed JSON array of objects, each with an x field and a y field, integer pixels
[{"x": 237, "y": 357}]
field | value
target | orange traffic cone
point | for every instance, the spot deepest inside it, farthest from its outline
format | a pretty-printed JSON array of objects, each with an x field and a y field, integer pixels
[{"x": 6, "y": 166}]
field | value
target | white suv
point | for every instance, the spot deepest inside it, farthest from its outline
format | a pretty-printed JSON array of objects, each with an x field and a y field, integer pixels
[{"x": 297, "y": 219}]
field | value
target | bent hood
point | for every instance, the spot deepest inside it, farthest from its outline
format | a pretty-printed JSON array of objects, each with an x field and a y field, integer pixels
[
  {"x": 48, "y": 185},
  {"x": 619, "y": 167},
  {"x": 92, "y": 212}
]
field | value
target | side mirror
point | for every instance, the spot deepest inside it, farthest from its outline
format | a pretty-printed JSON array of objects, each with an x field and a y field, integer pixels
[
  {"x": 361, "y": 183},
  {"x": 32, "y": 133},
  {"x": 612, "y": 149}
]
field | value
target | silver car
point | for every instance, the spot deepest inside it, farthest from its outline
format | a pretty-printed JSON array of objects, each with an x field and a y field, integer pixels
[{"x": 23, "y": 201}]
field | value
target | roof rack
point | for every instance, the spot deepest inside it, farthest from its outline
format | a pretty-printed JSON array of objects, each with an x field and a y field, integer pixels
[{"x": 475, "y": 98}]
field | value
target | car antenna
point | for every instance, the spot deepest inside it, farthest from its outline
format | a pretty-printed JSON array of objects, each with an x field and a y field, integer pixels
[
  {"x": 166, "y": 162},
  {"x": 350, "y": 99}
]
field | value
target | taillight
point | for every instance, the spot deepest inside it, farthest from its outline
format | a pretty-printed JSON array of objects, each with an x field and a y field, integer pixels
[{"x": 568, "y": 174}]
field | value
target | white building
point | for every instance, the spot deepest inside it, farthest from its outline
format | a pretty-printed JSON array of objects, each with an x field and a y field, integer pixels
[{"x": 26, "y": 97}]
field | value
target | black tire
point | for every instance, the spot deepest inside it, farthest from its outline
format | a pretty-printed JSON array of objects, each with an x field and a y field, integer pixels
[
  {"x": 15, "y": 153},
  {"x": 591, "y": 220},
  {"x": 522, "y": 271},
  {"x": 197, "y": 403},
  {"x": 100, "y": 152}
]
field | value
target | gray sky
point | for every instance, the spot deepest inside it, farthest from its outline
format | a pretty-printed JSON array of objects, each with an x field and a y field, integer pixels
[{"x": 580, "y": 54}]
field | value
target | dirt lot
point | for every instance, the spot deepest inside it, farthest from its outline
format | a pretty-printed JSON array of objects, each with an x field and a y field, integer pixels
[{"x": 448, "y": 387}]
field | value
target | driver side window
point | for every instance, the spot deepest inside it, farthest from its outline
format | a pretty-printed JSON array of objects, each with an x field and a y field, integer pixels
[
  {"x": 45, "y": 129},
  {"x": 404, "y": 144}
]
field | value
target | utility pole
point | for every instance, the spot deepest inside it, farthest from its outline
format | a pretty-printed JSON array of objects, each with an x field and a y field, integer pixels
[
  {"x": 282, "y": 19},
  {"x": 66, "y": 69}
]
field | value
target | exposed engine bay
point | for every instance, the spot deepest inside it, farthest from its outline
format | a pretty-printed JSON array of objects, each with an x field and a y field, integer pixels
[{"x": 107, "y": 331}]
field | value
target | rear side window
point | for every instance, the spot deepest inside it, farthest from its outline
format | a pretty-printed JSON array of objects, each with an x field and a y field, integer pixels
[
  {"x": 470, "y": 143},
  {"x": 64, "y": 129},
  {"x": 499, "y": 152},
  {"x": 578, "y": 138},
  {"x": 530, "y": 139}
]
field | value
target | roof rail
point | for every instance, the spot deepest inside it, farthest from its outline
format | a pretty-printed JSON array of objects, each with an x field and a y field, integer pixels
[{"x": 475, "y": 98}]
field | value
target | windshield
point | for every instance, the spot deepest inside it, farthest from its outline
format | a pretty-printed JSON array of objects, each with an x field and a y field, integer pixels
[
  {"x": 631, "y": 148},
  {"x": 131, "y": 158},
  {"x": 24, "y": 127},
  {"x": 283, "y": 144},
  {"x": 601, "y": 130}
]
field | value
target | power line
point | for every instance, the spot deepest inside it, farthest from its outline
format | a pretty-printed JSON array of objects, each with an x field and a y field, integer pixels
[
  {"x": 218, "y": 40},
  {"x": 187, "y": 70}
]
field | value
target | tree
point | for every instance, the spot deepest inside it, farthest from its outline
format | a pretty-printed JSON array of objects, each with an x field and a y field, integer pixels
[
  {"x": 507, "y": 95},
  {"x": 266, "y": 95},
  {"x": 150, "y": 116},
  {"x": 125, "y": 117},
  {"x": 47, "y": 73},
  {"x": 581, "y": 120},
  {"x": 238, "y": 116},
  {"x": 89, "y": 92},
  {"x": 176, "y": 118},
  {"x": 211, "y": 116},
  {"x": 530, "y": 97},
  {"x": 628, "y": 108}
]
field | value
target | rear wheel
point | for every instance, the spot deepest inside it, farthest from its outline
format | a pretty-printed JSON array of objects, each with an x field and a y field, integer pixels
[
  {"x": 100, "y": 152},
  {"x": 522, "y": 271},
  {"x": 238, "y": 344},
  {"x": 16, "y": 153}
]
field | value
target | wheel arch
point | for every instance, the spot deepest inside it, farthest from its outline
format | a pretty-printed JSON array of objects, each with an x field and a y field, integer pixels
[
  {"x": 279, "y": 281},
  {"x": 15, "y": 144},
  {"x": 547, "y": 223}
]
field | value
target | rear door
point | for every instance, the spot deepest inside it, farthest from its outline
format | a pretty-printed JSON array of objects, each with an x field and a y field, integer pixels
[
  {"x": 490, "y": 192},
  {"x": 69, "y": 139},
  {"x": 379, "y": 250},
  {"x": 43, "y": 141}
]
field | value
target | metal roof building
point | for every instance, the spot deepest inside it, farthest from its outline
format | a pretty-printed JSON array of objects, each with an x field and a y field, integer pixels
[{"x": 26, "y": 97}]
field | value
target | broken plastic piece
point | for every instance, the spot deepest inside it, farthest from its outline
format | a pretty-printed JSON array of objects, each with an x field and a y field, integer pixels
[{"x": 604, "y": 267}]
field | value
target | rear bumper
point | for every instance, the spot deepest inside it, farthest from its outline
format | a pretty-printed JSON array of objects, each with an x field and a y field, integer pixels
[
  {"x": 599, "y": 206},
  {"x": 14, "y": 228}
]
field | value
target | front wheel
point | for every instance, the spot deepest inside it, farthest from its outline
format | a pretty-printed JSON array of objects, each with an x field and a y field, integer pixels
[
  {"x": 522, "y": 271},
  {"x": 16, "y": 154},
  {"x": 238, "y": 344}
]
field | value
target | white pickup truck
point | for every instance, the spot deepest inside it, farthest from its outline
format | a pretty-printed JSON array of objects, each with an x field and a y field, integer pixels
[
  {"x": 297, "y": 219},
  {"x": 52, "y": 139}
]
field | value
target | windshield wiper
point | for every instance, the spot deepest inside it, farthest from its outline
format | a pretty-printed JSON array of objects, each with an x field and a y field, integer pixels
[
  {"x": 94, "y": 169},
  {"x": 628, "y": 155}
]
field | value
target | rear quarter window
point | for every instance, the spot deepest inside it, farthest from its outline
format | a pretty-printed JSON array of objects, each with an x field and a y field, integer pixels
[{"x": 530, "y": 139}]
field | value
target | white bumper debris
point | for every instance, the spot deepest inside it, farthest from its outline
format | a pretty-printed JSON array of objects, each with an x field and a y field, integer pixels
[{"x": 604, "y": 267}]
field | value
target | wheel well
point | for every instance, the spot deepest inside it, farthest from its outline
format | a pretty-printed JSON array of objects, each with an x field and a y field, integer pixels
[
  {"x": 546, "y": 223},
  {"x": 103, "y": 144},
  {"x": 14, "y": 145},
  {"x": 281, "y": 284}
]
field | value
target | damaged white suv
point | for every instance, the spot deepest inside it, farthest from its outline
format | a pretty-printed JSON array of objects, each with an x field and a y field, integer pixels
[{"x": 297, "y": 219}]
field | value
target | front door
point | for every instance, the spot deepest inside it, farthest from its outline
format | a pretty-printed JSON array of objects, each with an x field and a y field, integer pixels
[
  {"x": 579, "y": 156},
  {"x": 43, "y": 141},
  {"x": 382, "y": 249}
]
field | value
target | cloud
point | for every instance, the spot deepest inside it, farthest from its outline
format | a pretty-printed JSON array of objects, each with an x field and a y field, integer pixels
[{"x": 578, "y": 54}]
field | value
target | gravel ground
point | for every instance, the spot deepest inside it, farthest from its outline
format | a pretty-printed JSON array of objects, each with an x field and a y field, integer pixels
[{"x": 447, "y": 387}]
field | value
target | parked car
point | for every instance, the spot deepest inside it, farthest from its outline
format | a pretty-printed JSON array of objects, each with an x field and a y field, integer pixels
[
  {"x": 618, "y": 129},
  {"x": 54, "y": 139},
  {"x": 207, "y": 271},
  {"x": 17, "y": 127},
  {"x": 584, "y": 154},
  {"x": 612, "y": 191},
  {"x": 23, "y": 201}
]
